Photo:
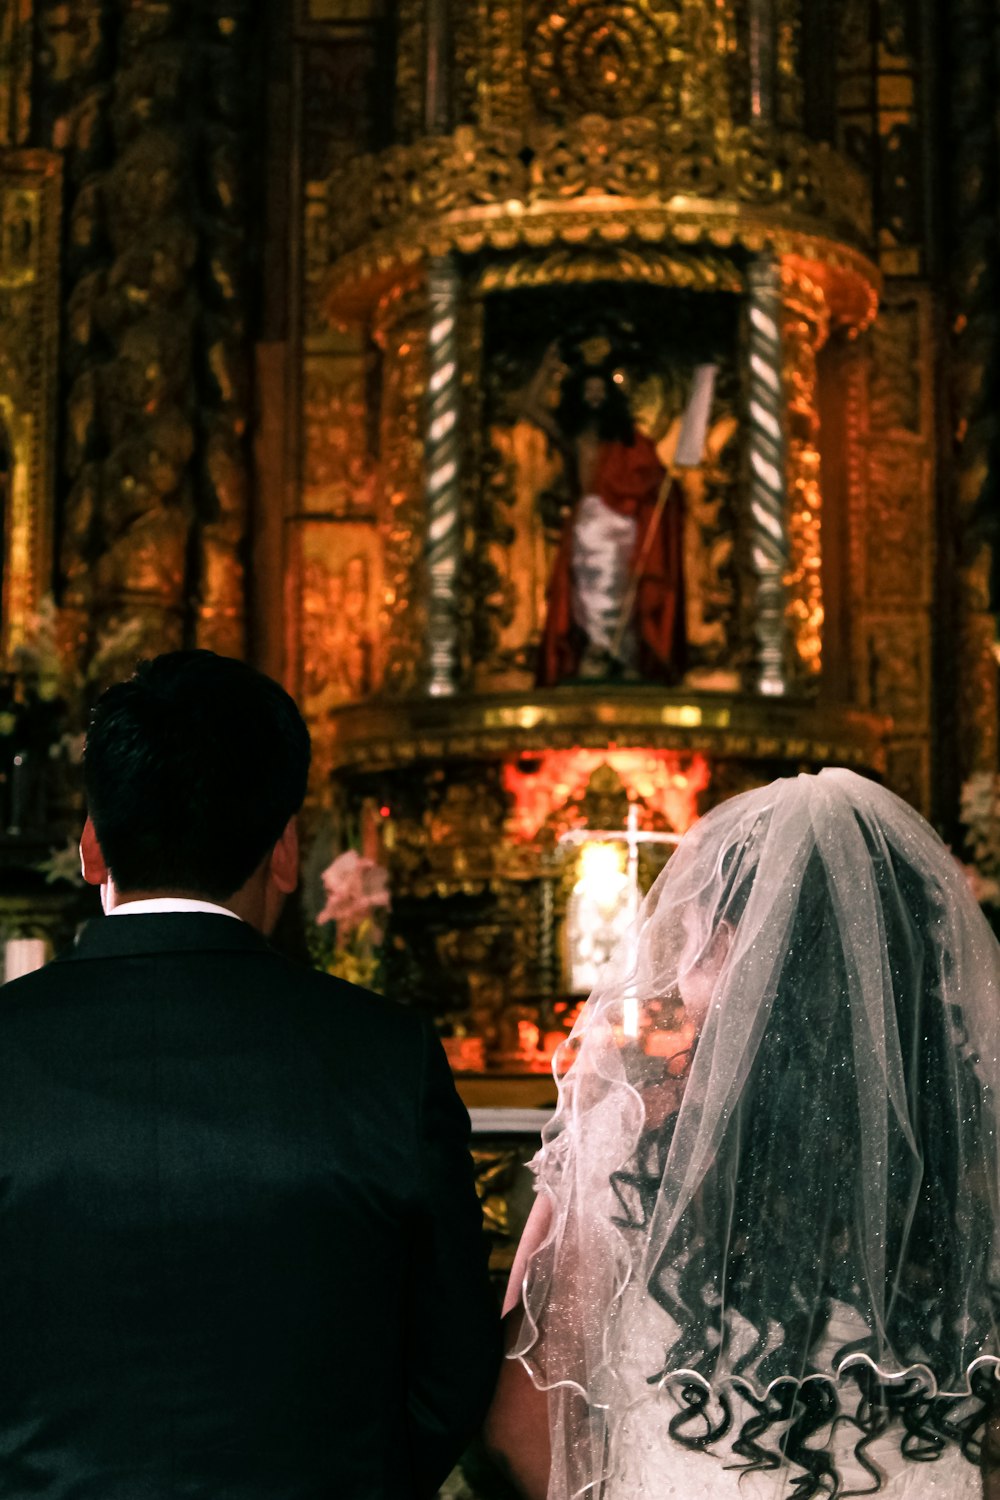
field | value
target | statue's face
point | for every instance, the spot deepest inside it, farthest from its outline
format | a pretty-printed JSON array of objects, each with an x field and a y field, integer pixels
[{"x": 595, "y": 392}]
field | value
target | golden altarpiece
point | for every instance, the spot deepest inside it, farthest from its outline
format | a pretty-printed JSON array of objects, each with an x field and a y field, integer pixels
[
  {"x": 291, "y": 297},
  {"x": 642, "y": 188}
]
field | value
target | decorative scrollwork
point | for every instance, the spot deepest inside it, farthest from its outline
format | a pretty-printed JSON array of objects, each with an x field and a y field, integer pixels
[
  {"x": 615, "y": 58},
  {"x": 593, "y": 178}
]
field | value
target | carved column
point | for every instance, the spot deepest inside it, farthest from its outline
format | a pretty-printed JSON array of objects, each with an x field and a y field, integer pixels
[
  {"x": 225, "y": 38},
  {"x": 767, "y": 462},
  {"x": 149, "y": 315},
  {"x": 74, "y": 65},
  {"x": 443, "y": 550},
  {"x": 401, "y": 332}
]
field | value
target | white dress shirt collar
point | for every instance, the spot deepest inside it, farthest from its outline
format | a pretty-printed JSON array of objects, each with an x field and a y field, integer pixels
[{"x": 155, "y": 905}]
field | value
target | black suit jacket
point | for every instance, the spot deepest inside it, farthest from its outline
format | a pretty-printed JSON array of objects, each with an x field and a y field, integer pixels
[{"x": 240, "y": 1249}]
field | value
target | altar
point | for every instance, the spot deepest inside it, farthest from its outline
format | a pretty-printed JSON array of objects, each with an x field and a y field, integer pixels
[
  {"x": 578, "y": 426},
  {"x": 586, "y": 410},
  {"x": 611, "y": 267},
  {"x": 586, "y": 548}
]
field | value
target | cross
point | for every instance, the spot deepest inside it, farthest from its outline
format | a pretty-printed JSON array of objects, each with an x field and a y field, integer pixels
[{"x": 631, "y": 836}]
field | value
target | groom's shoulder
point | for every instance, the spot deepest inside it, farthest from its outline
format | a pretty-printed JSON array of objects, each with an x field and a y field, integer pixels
[{"x": 339, "y": 1006}]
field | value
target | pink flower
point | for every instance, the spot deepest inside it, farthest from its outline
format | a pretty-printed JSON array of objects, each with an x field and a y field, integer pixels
[{"x": 355, "y": 888}]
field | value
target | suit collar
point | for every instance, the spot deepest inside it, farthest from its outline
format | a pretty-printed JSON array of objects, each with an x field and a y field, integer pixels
[{"x": 166, "y": 932}]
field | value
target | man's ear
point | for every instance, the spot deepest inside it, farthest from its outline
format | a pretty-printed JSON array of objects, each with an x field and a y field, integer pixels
[
  {"x": 92, "y": 863},
  {"x": 285, "y": 859}
]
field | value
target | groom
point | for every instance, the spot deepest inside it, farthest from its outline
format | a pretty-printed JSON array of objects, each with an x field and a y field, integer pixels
[{"x": 240, "y": 1247}]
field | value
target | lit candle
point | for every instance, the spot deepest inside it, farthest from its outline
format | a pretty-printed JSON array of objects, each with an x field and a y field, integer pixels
[{"x": 630, "y": 1014}]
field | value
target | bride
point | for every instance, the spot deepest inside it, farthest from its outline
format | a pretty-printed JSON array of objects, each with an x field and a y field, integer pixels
[{"x": 764, "y": 1260}]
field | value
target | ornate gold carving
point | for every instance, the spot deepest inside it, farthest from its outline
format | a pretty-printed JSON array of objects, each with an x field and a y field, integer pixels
[
  {"x": 144, "y": 416},
  {"x": 340, "y": 593},
  {"x": 896, "y": 670},
  {"x": 473, "y": 462},
  {"x": 698, "y": 271},
  {"x": 401, "y": 331},
  {"x": 517, "y": 554},
  {"x": 221, "y": 536},
  {"x": 157, "y": 416},
  {"x": 16, "y": 19},
  {"x": 898, "y": 536},
  {"x": 898, "y": 369},
  {"x": 375, "y": 736},
  {"x": 977, "y": 698},
  {"x": 856, "y": 406},
  {"x": 339, "y": 476},
  {"x": 803, "y": 333},
  {"x": 631, "y": 57},
  {"x": 224, "y": 414},
  {"x": 464, "y": 24},
  {"x": 630, "y": 158},
  {"x": 596, "y": 180},
  {"x": 30, "y": 189},
  {"x": 908, "y": 772},
  {"x": 502, "y": 95},
  {"x": 788, "y": 67}
]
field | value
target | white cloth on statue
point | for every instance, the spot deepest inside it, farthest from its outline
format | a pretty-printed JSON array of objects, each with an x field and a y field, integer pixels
[{"x": 601, "y": 562}]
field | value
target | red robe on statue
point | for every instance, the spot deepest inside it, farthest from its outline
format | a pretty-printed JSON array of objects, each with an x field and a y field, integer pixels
[{"x": 628, "y": 478}]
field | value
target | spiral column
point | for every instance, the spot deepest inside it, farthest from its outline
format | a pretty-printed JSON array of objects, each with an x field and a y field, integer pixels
[
  {"x": 443, "y": 548},
  {"x": 767, "y": 462}
]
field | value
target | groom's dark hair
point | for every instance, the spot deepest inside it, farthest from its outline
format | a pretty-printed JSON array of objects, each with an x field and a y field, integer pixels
[{"x": 193, "y": 768}]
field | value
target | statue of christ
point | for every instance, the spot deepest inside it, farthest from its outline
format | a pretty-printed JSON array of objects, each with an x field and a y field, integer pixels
[{"x": 615, "y": 599}]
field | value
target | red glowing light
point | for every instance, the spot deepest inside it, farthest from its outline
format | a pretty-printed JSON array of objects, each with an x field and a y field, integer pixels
[
  {"x": 384, "y": 812},
  {"x": 667, "y": 782}
]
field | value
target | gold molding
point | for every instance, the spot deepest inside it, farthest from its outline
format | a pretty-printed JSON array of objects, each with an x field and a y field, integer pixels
[
  {"x": 380, "y": 735},
  {"x": 566, "y": 267}
]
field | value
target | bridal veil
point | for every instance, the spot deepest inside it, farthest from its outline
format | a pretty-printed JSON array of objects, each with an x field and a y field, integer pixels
[{"x": 773, "y": 1170}]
